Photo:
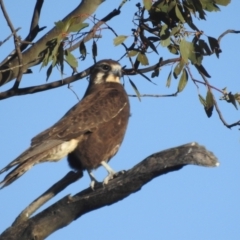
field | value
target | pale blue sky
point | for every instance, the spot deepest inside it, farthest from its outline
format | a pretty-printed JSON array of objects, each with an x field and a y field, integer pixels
[{"x": 193, "y": 203}]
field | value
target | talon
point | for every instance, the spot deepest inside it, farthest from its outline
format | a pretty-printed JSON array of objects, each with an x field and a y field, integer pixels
[
  {"x": 93, "y": 179},
  {"x": 108, "y": 178},
  {"x": 110, "y": 171},
  {"x": 92, "y": 184}
]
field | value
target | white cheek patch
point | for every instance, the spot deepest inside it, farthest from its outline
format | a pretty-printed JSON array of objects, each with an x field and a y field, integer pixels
[
  {"x": 99, "y": 78},
  {"x": 113, "y": 78}
]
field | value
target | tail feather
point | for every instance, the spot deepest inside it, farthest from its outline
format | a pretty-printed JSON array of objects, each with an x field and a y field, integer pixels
[
  {"x": 51, "y": 150},
  {"x": 19, "y": 170},
  {"x": 16, "y": 161},
  {"x": 31, "y": 152},
  {"x": 15, "y": 174}
]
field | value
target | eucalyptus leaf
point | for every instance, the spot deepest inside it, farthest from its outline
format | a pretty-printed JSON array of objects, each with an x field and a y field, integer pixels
[{"x": 120, "y": 39}]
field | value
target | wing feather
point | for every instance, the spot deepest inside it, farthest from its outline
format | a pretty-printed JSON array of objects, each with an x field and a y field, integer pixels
[
  {"x": 96, "y": 108},
  {"x": 32, "y": 151}
]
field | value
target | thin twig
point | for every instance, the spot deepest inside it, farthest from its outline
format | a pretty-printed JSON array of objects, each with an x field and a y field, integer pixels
[
  {"x": 17, "y": 45},
  {"x": 154, "y": 95},
  {"x": 225, "y": 33},
  {"x": 91, "y": 33},
  {"x": 6, "y": 39},
  {"x": 217, "y": 107},
  {"x": 204, "y": 83}
]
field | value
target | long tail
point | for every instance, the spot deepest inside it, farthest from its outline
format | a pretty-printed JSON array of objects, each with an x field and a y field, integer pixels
[
  {"x": 30, "y": 157},
  {"x": 20, "y": 169}
]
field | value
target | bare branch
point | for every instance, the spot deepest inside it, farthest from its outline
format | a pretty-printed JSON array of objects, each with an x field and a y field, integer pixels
[
  {"x": 71, "y": 208},
  {"x": 70, "y": 178},
  {"x": 44, "y": 87}
]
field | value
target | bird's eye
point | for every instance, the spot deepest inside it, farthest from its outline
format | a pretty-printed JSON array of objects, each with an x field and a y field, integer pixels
[{"x": 105, "y": 67}]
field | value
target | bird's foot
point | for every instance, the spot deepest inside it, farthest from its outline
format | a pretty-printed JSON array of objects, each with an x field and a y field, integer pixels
[
  {"x": 111, "y": 176},
  {"x": 94, "y": 183}
]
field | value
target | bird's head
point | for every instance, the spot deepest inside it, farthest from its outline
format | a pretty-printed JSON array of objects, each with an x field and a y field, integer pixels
[{"x": 106, "y": 71}]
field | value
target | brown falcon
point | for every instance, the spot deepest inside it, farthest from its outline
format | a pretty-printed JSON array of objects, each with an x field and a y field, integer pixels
[{"x": 90, "y": 133}]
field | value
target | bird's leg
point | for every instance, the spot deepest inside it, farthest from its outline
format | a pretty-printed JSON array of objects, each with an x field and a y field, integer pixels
[
  {"x": 110, "y": 171},
  {"x": 93, "y": 179}
]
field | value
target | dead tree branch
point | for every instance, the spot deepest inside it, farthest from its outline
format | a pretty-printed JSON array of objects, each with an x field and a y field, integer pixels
[{"x": 71, "y": 208}]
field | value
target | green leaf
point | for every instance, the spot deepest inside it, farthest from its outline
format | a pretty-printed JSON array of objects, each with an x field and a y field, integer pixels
[
  {"x": 71, "y": 60},
  {"x": 178, "y": 69},
  {"x": 188, "y": 51},
  {"x": 213, "y": 42},
  {"x": 147, "y": 4},
  {"x": 135, "y": 89},
  {"x": 204, "y": 46},
  {"x": 166, "y": 42},
  {"x": 151, "y": 45},
  {"x": 142, "y": 58},
  {"x": 191, "y": 52},
  {"x": 209, "y": 111},
  {"x": 83, "y": 50},
  {"x": 209, "y": 6},
  {"x": 202, "y": 100},
  {"x": 94, "y": 49},
  {"x": 185, "y": 49},
  {"x": 183, "y": 80},
  {"x": 232, "y": 100},
  {"x": 63, "y": 26},
  {"x": 202, "y": 70},
  {"x": 222, "y": 2},
  {"x": 154, "y": 39},
  {"x": 179, "y": 14},
  {"x": 120, "y": 39},
  {"x": 173, "y": 49},
  {"x": 77, "y": 27},
  {"x": 60, "y": 57},
  {"x": 209, "y": 100},
  {"x": 175, "y": 30},
  {"x": 132, "y": 53},
  {"x": 46, "y": 59},
  {"x": 59, "y": 25},
  {"x": 209, "y": 104},
  {"x": 49, "y": 71},
  {"x": 155, "y": 73},
  {"x": 237, "y": 97},
  {"x": 164, "y": 33},
  {"x": 169, "y": 79}
]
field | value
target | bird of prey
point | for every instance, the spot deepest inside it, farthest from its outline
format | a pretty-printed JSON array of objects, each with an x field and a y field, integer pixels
[{"x": 89, "y": 134}]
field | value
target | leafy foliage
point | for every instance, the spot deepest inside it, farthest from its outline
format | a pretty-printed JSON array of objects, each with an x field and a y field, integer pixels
[
  {"x": 173, "y": 27},
  {"x": 168, "y": 24},
  {"x": 55, "y": 53}
]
